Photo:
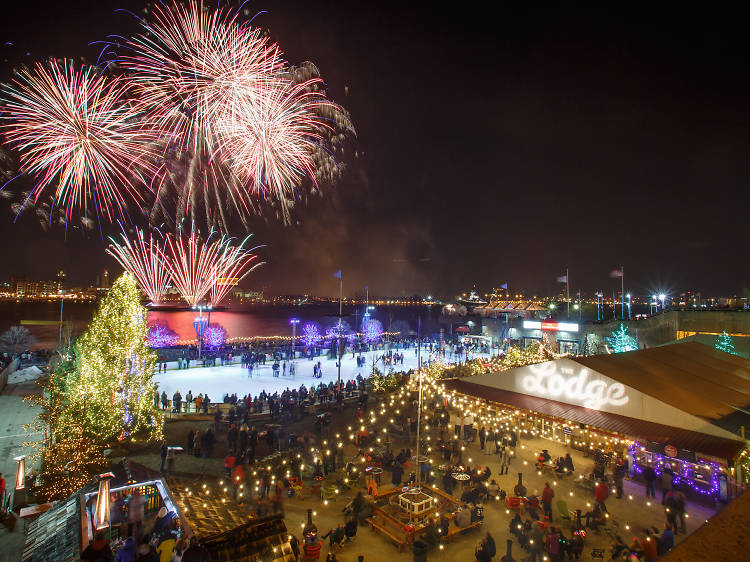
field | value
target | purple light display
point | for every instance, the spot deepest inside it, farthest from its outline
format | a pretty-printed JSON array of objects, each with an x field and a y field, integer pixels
[
  {"x": 707, "y": 489},
  {"x": 311, "y": 334},
  {"x": 347, "y": 332},
  {"x": 214, "y": 335},
  {"x": 372, "y": 330},
  {"x": 161, "y": 335}
]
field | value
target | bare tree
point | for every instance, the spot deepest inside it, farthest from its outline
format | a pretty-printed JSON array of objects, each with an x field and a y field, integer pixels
[{"x": 16, "y": 340}]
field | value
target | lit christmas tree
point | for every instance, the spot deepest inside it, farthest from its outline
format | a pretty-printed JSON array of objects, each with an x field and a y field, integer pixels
[
  {"x": 109, "y": 393},
  {"x": 619, "y": 341},
  {"x": 724, "y": 343}
]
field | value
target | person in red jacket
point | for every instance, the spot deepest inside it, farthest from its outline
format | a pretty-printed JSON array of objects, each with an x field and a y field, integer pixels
[
  {"x": 600, "y": 494},
  {"x": 547, "y": 494}
]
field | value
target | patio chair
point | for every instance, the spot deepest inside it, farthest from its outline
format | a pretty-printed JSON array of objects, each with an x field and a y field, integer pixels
[
  {"x": 329, "y": 492},
  {"x": 562, "y": 507}
]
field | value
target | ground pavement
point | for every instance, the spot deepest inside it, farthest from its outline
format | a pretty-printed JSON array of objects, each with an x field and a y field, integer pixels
[
  {"x": 15, "y": 413},
  {"x": 632, "y": 510}
]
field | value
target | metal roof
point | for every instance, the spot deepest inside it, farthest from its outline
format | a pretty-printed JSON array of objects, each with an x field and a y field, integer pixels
[
  {"x": 696, "y": 378},
  {"x": 54, "y": 536},
  {"x": 634, "y": 428}
]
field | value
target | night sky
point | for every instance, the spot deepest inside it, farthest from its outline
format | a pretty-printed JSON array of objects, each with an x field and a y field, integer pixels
[{"x": 495, "y": 144}]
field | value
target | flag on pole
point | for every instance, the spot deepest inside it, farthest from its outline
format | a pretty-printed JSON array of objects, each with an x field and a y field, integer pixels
[
  {"x": 616, "y": 273},
  {"x": 337, "y": 275},
  {"x": 562, "y": 279},
  {"x": 504, "y": 286}
]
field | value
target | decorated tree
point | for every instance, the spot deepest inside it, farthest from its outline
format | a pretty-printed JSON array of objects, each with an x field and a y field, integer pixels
[
  {"x": 372, "y": 330},
  {"x": 161, "y": 335},
  {"x": 109, "y": 393},
  {"x": 724, "y": 343},
  {"x": 214, "y": 336},
  {"x": 619, "y": 341},
  {"x": 311, "y": 334}
]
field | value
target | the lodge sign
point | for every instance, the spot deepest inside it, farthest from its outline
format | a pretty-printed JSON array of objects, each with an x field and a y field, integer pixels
[{"x": 574, "y": 386}]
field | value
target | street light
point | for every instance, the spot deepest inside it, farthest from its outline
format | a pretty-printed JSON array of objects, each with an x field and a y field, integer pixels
[
  {"x": 368, "y": 309},
  {"x": 200, "y": 323},
  {"x": 599, "y": 297},
  {"x": 294, "y": 322},
  {"x": 629, "y": 303},
  {"x": 61, "y": 292},
  {"x": 662, "y": 296}
]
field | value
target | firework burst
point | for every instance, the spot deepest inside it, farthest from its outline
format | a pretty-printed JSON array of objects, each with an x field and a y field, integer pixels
[
  {"x": 76, "y": 134},
  {"x": 145, "y": 260},
  {"x": 192, "y": 265},
  {"x": 234, "y": 263},
  {"x": 201, "y": 268},
  {"x": 199, "y": 118},
  {"x": 240, "y": 127}
]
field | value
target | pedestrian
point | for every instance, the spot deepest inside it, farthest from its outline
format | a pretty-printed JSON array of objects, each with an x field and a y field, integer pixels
[
  {"x": 600, "y": 495},
  {"x": 2, "y": 490},
  {"x": 136, "y": 512},
  {"x": 666, "y": 483},
  {"x": 482, "y": 437},
  {"x": 504, "y": 460},
  {"x": 163, "y": 450},
  {"x": 670, "y": 510},
  {"x": 553, "y": 544},
  {"x": 197, "y": 443},
  {"x": 650, "y": 548},
  {"x": 535, "y": 543},
  {"x": 164, "y": 400},
  {"x": 547, "y": 494},
  {"x": 666, "y": 541},
  {"x": 680, "y": 509},
  {"x": 618, "y": 474},
  {"x": 486, "y": 549},
  {"x": 396, "y": 474},
  {"x": 98, "y": 550},
  {"x": 649, "y": 476}
]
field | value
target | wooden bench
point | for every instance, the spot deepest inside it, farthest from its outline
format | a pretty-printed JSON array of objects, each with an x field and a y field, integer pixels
[
  {"x": 453, "y": 531},
  {"x": 378, "y": 527}
]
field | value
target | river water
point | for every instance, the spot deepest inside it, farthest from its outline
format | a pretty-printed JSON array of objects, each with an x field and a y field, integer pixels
[{"x": 43, "y": 318}]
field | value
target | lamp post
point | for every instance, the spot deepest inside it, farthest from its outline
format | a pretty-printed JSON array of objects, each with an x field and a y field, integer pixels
[
  {"x": 294, "y": 322},
  {"x": 200, "y": 323},
  {"x": 629, "y": 303},
  {"x": 654, "y": 305},
  {"x": 662, "y": 296},
  {"x": 599, "y": 296},
  {"x": 62, "y": 300},
  {"x": 365, "y": 318}
]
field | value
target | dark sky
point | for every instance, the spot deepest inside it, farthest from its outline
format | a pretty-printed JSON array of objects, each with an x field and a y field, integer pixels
[{"x": 495, "y": 143}]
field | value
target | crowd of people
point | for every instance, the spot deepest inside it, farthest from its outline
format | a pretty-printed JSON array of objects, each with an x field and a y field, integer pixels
[{"x": 290, "y": 402}]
